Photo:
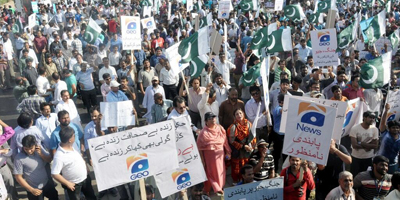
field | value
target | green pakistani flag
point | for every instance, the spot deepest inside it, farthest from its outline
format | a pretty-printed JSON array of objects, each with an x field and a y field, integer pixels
[
  {"x": 279, "y": 41},
  {"x": 251, "y": 75},
  {"x": 381, "y": 3},
  {"x": 203, "y": 22},
  {"x": 194, "y": 46},
  {"x": 17, "y": 27},
  {"x": 394, "y": 38},
  {"x": 92, "y": 32},
  {"x": 248, "y": 5},
  {"x": 377, "y": 27},
  {"x": 260, "y": 39},
  {"x": 342, "y": 1},
  {"x": 347, "y": 36},
  {"x": 376, "y": 73},
  {"x": 294, "y": 12},
  {"x": 313, "y": 18},
  {"x": 198, "y": 5},
  {"x": 197, "y": 65},
  {"x": 145, "y": 3},
  {"x": 106, "y": 2},
  {"x": 324, "y": 6}
]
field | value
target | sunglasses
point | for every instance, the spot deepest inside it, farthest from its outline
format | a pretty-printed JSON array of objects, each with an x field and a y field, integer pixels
[{"x": 255, "y": 93}]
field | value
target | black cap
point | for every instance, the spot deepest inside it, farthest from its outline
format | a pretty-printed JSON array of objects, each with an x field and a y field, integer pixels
[{"x": 209, "y": 115}]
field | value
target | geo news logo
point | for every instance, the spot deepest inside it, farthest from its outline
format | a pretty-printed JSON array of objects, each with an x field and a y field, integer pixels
[
  {"x": 181, "y": 178},
  {"x": 324, "y": 38},
  {"x": 138, "y": 166},
  {"x": 311, "y": 116},
  {"x": 130, "y": 27}
]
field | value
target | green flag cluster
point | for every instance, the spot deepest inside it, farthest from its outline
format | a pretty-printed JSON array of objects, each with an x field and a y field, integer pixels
[
  {"x": 279, "y": 41},
  {"x": 324, "y": 6},
  {"x": 145, "y": 3},
  {"x": 248, "y": 5},
  {"x": 294, "y": 12},
  {"x": 92, "y": 32},
  {"x": 251, "y": 75},
  {"x": 394, "y": 39},
  {"x": 349, "y": 34},
  {"x": 194, "y": 46},
  {"x": 376, "y": 73},
  {"x": 197, "y": 65},
  {"x": 313, "y": 18},
  {"x": 377, "y": 27}
]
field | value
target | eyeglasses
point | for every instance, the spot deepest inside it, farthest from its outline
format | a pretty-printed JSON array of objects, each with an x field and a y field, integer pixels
[{"x": 255, "y": 93}]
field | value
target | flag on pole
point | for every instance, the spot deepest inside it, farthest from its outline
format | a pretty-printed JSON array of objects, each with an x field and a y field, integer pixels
[
  {"x": 394, "y": 38},
  {"x": 376, "y": 73},
  {"x": 198, "y": 5},
  {"x": 92, "y": 31},
  {"x": 313, "y": 18},
  {"x": 197, "y": 65},
  {"x": 324, "y": 6},
  {"x": 347, "y": 36},
  {"x": 145, "y": 3},
  {"x": 106, "y": 2},
  {"x": 194, "y": 46},
  {"x": 251, "y": 75},
  {"x": 377, "y": 27},
  {"x": 294, "y": 12},
  {"x": 203, "y": 22},
  {"x": 248, "y": 5},
  {"x": 279, "y": 41}
]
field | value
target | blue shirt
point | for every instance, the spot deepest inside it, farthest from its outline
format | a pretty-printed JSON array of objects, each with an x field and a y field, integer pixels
[
  {"x": 90, "y": 132},
  {"x": 120, "y": 96},
  {"x": 78, "y": 17},
  {"x": 154, "y": 60},
  {"x": 86, "y": 79},
  {"x": 140, "y": 55},
  {"x": 245, "y": 41},
  {"x": 277, "y": 115},
  {"x": 390, "y": 147},
  {"x": 55, "y": 137},
  {"x": 117, "y": 43}
]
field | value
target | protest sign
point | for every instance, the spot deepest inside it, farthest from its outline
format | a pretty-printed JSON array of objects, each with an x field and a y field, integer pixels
[
  {"x": 189, "y": 5},
  {"x": 133, "y": 154},
  {"x": 130, "y": 30},
  {"x": 354, "y": 113},
  {"x": 174, "y": 59},
  {"x": 393, "y": 99},
  {"x": 3, "y": 189},
  {"x": 32, "y": 20},
  {"x": 117, "y": 113},
  {"x": 149, "y": 24},
  {"x": 308, "y": 127},
  {"x": 146, "y": 11},
  {"x": 324, "y": 43},
  {"x": 278, "y": 5},
  {"x": 191, "y": 171},
  {"x": 266, "y": 189},
  {"x": 224, "y": 9},
  {"x": 269, "y": 4},
  {"x": 340, "y": 114},
  {"x": 35, "y": 7}
]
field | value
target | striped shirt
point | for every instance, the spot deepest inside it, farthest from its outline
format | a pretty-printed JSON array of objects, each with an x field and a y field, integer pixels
[
  {"x": 266, "y": 168},
  {"x": 367, "y": 186}
]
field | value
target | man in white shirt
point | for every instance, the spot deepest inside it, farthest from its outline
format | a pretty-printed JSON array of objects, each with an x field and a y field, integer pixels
[
  {"x": 59, "y": 85},
  {"x": 208, "y": 103},
  {"x": 345, "y": 189},
  {"x": 70, "y": 163},
  {"x": 47, "y": 123},
  {"x": 42, "y": 84},
  {"x": 9, "y": 49},
  {"x": 31, "y": 53},
  {"x": 180, "y": 110},
  {"x": 251, "y": 109},
  {"x": 221, "y": 89},
  {"x": 169, "y": 81},
  {"x": 224, "y": 67},
  {"x": 148, "y": 99},
  {"x": 107, "y": 69},
  {"x": 304, "y": 50}
]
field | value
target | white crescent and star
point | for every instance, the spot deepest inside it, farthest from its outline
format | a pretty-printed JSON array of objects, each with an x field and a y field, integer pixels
[
  {"x": 248, "y": 81},
  {"x": 194, "y": 68},
  {"x": 272, "y": 43},
  {"x": 91, "y": 36},
  {"x": 186, "y": 56},
  {"x": 257, "y": 43},
  {"x": 325, "y": 5},
  {"x": 374, "y": 75},
  {"x": 293, "y": 12},
  {"x": 341, "y": 42},
  {"x": 313, "y": 17},
  {"x": 248, "y": 6}
]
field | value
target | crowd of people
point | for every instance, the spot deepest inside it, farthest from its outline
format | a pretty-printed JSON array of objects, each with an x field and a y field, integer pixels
[{"x": 52, "y": 65}]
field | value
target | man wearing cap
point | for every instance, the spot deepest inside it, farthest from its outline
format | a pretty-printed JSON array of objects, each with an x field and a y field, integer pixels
[
  {"x": 148, "y": 99},
  {"x": 364, "y": 141},
  {"x": 115, "y": 94},
  {"x": 262, "y": 162}
]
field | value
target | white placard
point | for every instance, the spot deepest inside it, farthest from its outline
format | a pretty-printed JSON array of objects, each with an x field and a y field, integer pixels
[
  {"x": 117, "y": 114},
  {"x": 308, "y": 130},
  {"x": 324, "y": 43},
  {"x": 393, "y": 99},
  {"x": 3, "y": 189},
  {"x": 266, "y": 189},
  {"x": 354, "y": 113},
  {"x": 174, "y": 59},
  {"x": 191, "y": 171},
  {"x": 189, "y": 5},
  {"x": 149, "y": 24},
  {"x": 32, "y": 21},
  {"x": 224, "y": 9},
  {"x": 133, "y": 154},
  {"x": 278, "y": 5},
  {"x": 130, "y": 29},
  {"x": 147, "y": 11}
]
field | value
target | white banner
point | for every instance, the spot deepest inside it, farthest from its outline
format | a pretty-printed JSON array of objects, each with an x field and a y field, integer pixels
[
  {"x": 3, "y": 189},
  {"x": 32, "y": 21},
  {"x": 308, "y": 130},
  {"x": 278, "y": 5},
  {"x": 340, "y": 115},
  {"x": 191, "y": 171},
  {"x": 266, "y": 189},
  {"x": 117, "y": 114},
  {"x": 324, "y": 43},
  {"x": 393, "y": 99},
  {"x": 174, "y": 59},
  {"x": 130, "y": 29},
  {"x": 149, "y": 24},
  {"x": 147, "y": 11},
  {"x": 189, "y": 5},
  {"x": 354, "y": 115},
  {"x": 133, "y": 154},
  {"x": 224, "y": 9}
]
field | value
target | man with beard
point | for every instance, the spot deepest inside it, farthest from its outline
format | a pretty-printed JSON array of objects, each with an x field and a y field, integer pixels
[
  {"x": 47, "y": 123},
  {"x": 225, "y": 116},
  {"x": 295, "y": 189},
  {"x": 196, "y": 193},
  {"x": 159, "y": 108},
  {"x": 221, "y": 89},
  {"x": 364, "y": 140},
  {"x": 345, "y": 188},
  {"x": 63, "y": 118},
  {"x": 148, "y": 99},
  {"x": 375, "y": 184},
  {"x": 327, "y": 84}
]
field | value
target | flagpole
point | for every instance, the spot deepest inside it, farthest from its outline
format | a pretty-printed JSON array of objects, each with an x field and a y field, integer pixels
[{"x": 186, "y": 87}]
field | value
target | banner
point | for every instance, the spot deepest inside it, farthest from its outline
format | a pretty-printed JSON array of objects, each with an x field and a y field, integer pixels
[
  {"x": 147, "y": 11},
  {"x": 191, "y": 171},
  {"x": 3, "y": 189},
  {"x": 354, "y": 115},
  {"x": 340, "y": 114},
  {"x": 324, "y": 43},
  {"x": 393, "y": 99},
  {"x": 266, "y": 189},
  {"x": 130, "y": 29},
  {"x": 149, "y": 24},
  {"x": 224, "y": 9},
  {"x": 308, "y": 129},
  {"x": 174, "y": 59},
  {"x": 117, "y": 114},
  {"x": 133, "y": 154},
  {"x": 35, "y": 7},
  {"x": 32, "y": 21},
  {"x": 278, "y": 5},
  {"x": 189, "y": 5},
  {"x": 269, "y": 4}
]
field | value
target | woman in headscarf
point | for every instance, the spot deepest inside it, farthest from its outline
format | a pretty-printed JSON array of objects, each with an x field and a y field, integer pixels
[
  {"x": 214, "y": 148},
  {"x": 242, "y": 143}
]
